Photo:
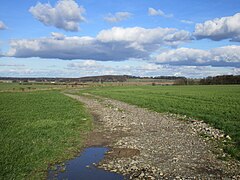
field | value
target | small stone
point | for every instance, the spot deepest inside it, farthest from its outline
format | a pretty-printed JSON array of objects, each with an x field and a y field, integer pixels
[
  {"x": 134, "y": 168},
  {"x": 228, "y": 137},
  {"x": 62, "y": 169},
  {"x": 151, "y": 177},
  {"x": 141, "y": 175}
]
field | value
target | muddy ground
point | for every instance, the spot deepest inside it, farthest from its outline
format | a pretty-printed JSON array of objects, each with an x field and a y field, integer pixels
[{"x": 150, "y": 145}]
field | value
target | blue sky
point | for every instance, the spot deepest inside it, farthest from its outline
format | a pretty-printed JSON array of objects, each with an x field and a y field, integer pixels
[{"x": 68, "y": 38}]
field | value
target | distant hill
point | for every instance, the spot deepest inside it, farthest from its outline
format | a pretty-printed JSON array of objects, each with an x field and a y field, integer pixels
[
  {"x": 225, "y": 79},
  {"x": 104, "y": 78}
]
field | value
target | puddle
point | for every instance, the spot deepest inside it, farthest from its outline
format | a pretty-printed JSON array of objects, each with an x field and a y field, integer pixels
[{"x": 82, "y": 167}]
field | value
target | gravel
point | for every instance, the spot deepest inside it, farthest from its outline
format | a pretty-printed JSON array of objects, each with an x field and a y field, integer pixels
[{"x": 169, "y": 146}]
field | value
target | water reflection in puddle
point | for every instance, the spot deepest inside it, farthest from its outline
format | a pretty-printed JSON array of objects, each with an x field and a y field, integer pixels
[{"x": 82, "y": 167}]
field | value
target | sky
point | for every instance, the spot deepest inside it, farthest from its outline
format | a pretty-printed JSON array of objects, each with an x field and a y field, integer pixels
[{"x": 67, "y": 38}]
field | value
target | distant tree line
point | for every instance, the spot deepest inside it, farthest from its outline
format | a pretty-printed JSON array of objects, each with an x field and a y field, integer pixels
[
  {"x": 155, "y": 77},
  {"x": 169, "y": 77},
  {"x": 225, "y": 79},
  {"x": 186, "y": 81}
]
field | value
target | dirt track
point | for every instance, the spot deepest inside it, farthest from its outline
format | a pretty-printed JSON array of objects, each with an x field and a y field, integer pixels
[{"x": 149, "y": 145}]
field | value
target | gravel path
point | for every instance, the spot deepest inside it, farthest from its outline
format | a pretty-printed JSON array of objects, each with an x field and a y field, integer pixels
[{"x": 150, "y": 145}]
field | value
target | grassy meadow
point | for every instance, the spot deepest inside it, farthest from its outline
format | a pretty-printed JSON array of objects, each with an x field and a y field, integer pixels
[
  {"x": 37, "y": 129},
  {"x": 40, "y": 128},
  {"x": 218, "y": 105},
  {"x": 29, "y": 86}
]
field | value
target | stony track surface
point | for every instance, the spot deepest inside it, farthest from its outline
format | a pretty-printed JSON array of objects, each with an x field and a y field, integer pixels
[{"x": 150, "y": 145}]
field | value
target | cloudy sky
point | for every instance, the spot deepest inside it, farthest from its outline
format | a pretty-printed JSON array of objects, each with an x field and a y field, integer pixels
[{"x": 67, "y": 38}]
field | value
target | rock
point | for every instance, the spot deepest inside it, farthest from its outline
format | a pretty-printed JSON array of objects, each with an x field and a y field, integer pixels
[
  {"x": 134, "y": 168},
  {"x": 141, "y": 175},
  {"x": 151, "y": 177},
  {"x": 228, "y": 137}
]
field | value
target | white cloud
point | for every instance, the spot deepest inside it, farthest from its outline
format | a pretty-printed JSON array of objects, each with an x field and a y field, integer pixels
[
  {"x": 222, "y": 56},
  {"x": 187, "y": 21},
  {"x": 151, "y": 69},
  {"x": 73, "y": 48},
  {"x": 65, "y": 15},
  {"x": 87, "y": 64},
  {"x": 117, "y": 17},
  {"x": 2, "y": 26},
  {"x": 91, "y": 68},
  {"x": 58, "y": 36},
  {"x": 29, "y": 72},
  {"x": 12, "y": 65},
  {"x": 139, "y": 37},
  {"x": 220, "y": 28},
  {"x": 154, "y": 12},
  {"x": 199, "y": 71},
  {"x": 236, "y": 71},
  {"x": 114, "y": 44}
]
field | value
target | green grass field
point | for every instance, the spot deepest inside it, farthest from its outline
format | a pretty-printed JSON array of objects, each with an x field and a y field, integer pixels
[
  {"x": 38, "y": 129},
  {"x": 28, "y": 86},
  {"x": 216, "y": 105}
]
